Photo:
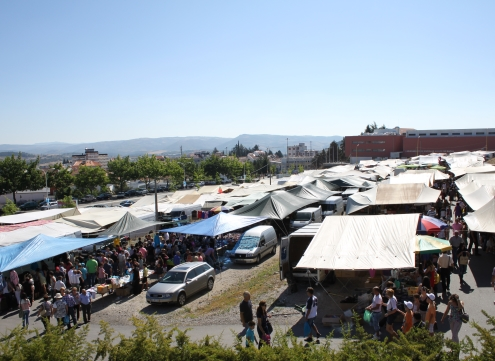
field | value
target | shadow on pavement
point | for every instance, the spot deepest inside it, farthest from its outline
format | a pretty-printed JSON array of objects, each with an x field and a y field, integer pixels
[{"x": 481, "y": 268}]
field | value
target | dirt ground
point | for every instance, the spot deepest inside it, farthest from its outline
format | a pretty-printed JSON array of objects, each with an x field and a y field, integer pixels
[{"x": 220, "y": 306}]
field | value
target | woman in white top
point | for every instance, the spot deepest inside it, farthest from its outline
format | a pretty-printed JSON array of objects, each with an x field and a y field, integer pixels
[
  {"x": 391, "y": 310},
  {"x": 25, "y": 309}
]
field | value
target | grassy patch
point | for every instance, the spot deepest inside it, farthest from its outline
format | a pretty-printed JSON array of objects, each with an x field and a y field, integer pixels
[{"x": 265, "y": 279}]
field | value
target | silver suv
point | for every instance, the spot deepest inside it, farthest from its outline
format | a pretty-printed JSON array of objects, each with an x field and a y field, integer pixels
[{"x": 182, "y": 282}]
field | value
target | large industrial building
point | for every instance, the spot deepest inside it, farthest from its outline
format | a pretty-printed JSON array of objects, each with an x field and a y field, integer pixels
[{"x": 406, "y": 143}]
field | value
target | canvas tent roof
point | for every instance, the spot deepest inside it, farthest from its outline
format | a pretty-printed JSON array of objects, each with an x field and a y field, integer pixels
[
  {"x": 277, "y": 205},
  {"x": 323, "y": 184},
  {"x": 150, "y": 200},
  {"x": 35, "y": 216},
  {"x": 392, "y": 194},
  {"x": 479, "y": 197},
  {"x": 95, "y": 218},
  {"x": 405, "y": 178},
  {"x": 479, "y": 178},
  {"x": 363, "y": 243},
  {"x": 188, "y": 199},
  {"x": 244, "y": 201},
  {"x": 39, "y": 248},
  {"x": 52, "y": 229},
  {"x": 127, "y": 224},
  {"x": 482, "y": 220},
  {"x": 437, "y": 174},
  {"x": 473, "y": 170},
  {"x": 218, "y": 224},
  {"x": 351, "y": 181},
  {"x": 312, "y": 192}
]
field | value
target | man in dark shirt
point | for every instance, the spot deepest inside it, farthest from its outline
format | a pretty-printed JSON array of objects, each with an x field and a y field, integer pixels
[{"x": 246, "y": 311}]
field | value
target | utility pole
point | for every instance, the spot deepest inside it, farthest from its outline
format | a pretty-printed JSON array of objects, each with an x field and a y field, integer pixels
[
  {"x": 181, "y": 151},
  {"x": 287, "y": 155},
  {"x": 356, "y": 153}
]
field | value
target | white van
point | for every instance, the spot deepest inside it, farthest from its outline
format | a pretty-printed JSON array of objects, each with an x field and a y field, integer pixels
[
  {"x": 254, "y": 244},
  {"x": 306, "y": 216},
  {"x": 333, "y": 206}
]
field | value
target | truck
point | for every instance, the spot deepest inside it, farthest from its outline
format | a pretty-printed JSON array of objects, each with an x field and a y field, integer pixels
[
  {"x": 292, "y": 249},
  {"x": 332, "y": 206}
]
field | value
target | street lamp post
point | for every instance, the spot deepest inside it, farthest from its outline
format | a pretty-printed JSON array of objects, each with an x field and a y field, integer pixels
[
  {"x": 46, "y": 186},
  {"x": 356, "y": 153},
  {"x": 417, "y": 146}
]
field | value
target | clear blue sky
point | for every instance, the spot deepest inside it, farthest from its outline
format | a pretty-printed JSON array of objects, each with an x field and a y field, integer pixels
[{"x": 78, "y": 71}]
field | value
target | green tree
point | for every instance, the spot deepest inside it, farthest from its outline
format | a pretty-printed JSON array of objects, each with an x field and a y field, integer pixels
[
  {"x": 370, "y": 128},
  {"x": 67, "y": 202},
  {"x": 89, "y": 178},
  {"x": 279, "y": 154},
  {"x": 120, "y": 170},
  {"x": 149, "y": 169},
  {"x": 19, "y": 175},
  {"x": 300, "y": 169},
  {"x": 9, "y": 208},
  {"x": 60, "y": 178},
  {"x": 174, "y": 172}
]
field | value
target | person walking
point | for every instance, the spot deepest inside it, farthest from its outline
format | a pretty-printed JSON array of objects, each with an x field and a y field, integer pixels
[
  {"x": 246, "y": 313},
  {"x": 77, "y": 299},
  {"x": 59, "y": 309},
  {"x": 85, "y": 299},
  {"x": 445, "y": 264},
  {"x": 92, "y": 267},
  {"x": 455, "y": 242},
  {"x": 376, "y": 311},
  {"x": 408, "y": 317},
  {"x": 464, "y": 256},
  {"x": 311, "y": 312},
  {"x": 431, "y": 313},
  {"x": 456, "y": 308},
  {"x": 45, "y": 310},
  {"x": 25, "y": 305},
  {"x": 262, "y": 324},
  {"x": 71, "y": 304},
  {"x": 423, "y": 303},
  {"x": 391, "y": 310}
]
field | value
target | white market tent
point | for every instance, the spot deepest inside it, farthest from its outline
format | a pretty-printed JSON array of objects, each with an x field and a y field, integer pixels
[
  {"x": 483, "y": 220},
  {"x": 363, "y": 243},
  {"x": 437, "y": 175},
  {"x": 479, "y": 178},
  {"x": 405, "y": 178},
  {"x": 52, "y": 229},
  {"x": 385, "y": 194},
  {"x": 479, "y": 197},
  {"x": 473, "y": 170},
  {"x": 49, "y": 214}
]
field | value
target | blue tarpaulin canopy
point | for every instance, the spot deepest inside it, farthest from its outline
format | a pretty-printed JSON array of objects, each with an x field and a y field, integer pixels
[
  {"x": 219, "y": 224},
  {"x": 39, "y": 248}
]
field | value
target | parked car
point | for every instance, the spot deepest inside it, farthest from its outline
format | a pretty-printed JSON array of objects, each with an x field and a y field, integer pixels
[
  {"x": 29, "y": 206},
  {"x": 98, "y": 206},
  {"x": 50, "y": 205},
  {"x": 127, "y": 203},
  {"x": 88, "y": 198},
  {"x": 104, "y": 196},
  {"x": 131, "y": 193},
  {"x": 141, "y": 192},
  {"x": 182, "y": 282},
  {"x": 120, "y": 195},
  {"x": 254, "y": 244},
  {"x": 162, "y": 189}
]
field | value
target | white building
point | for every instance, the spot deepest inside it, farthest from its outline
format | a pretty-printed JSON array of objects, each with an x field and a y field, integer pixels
[
  {"x": 300, "y": 150},
  {"x": 92, "y": 155}
]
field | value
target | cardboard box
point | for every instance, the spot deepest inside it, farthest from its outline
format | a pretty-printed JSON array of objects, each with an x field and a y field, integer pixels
[
  {"x": 102, "y": 289},
  {"x": 123, "y": 291}
]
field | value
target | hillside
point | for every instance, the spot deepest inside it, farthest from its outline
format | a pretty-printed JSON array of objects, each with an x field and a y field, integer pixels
[{"x": 171, "y": 145}]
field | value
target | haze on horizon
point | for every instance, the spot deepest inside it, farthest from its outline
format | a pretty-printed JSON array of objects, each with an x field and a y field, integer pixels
[{"x": 95, "y": 71}]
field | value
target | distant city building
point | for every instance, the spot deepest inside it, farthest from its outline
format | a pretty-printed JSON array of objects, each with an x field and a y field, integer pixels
[
  {"x": 84, "y": 163},
  {"x": 408, "y": 142},
  {"x": 91, "y": 155},
  {"x": 300, "y": 150}
]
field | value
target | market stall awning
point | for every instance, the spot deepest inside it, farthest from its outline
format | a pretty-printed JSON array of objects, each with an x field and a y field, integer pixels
[
  {"x": 219, "y": 224},
  {"x": 51, "y": 229},
  {"x": 385, "y": 194},
  {"x": 36, "y": 216},
  {"x": 312, "y": 192},
  {"x": 277, "y": 205},
  {"x": 483, "y": 220},
  {"x": 39, "y": 248},
  {"x": 127, "y": 224},
  {"x": 428, "y": 244},
  {"x": 363, "y": 243}
]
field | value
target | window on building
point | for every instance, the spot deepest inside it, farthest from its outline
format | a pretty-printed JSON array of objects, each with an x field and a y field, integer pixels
[
  {"x": 468, "y": 133},
  {"x": 378, "y": 150},
  {"x": 378, "y": 141},
  {"x": 444, "y": 133},
  {"x": 422, "y": 134},
  {"x": 358, "y": 142},
  {"x": 456, "y": 133},
  {"x": 480, "y": 133},
  {"x": 412, "y": 134},
  {"x": 433, "y": 134},
  {"x": 491, "y": 132}
]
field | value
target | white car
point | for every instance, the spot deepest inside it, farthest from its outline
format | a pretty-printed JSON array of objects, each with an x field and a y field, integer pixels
[{"x": 50, "y": 205}]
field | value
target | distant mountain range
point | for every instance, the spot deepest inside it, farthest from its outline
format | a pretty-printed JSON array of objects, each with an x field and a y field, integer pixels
[{"x": 171, "y": 145}]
